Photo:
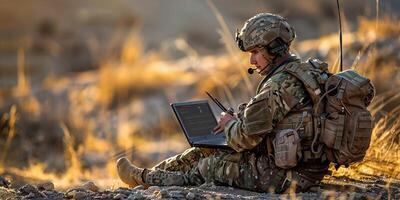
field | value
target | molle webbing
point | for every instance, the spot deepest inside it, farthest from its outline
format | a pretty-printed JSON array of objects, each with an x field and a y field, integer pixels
[
  {"x": 313, "y": 74},
  {"x": 304, "y": 73},
  {"x": 296, "y": 118}
]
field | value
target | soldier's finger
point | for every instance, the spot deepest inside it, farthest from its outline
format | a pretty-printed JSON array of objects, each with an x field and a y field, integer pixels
[
  {"x": 216, "y": 128},
  {"x": 219, "y": 130}
]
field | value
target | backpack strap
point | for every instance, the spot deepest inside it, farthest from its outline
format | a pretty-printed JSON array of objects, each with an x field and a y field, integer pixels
[
  {"x": 313, "y": 74},
  {"x": 306, "y": 73}
]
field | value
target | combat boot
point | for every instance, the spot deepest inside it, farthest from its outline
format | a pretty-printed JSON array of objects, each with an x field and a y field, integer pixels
[
  {"x": 133, "y": 176},
  {"x": 129, "y": 173}
]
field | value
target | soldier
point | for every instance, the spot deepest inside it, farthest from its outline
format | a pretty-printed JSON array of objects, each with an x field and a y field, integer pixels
[{"x": 270, "y": 136}]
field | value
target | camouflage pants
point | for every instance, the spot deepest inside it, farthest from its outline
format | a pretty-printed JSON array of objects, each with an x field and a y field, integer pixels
[{"x": 196, "y": 166}]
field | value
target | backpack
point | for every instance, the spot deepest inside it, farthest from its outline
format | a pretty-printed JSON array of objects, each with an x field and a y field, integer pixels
[{"x": 342, "y": 123}]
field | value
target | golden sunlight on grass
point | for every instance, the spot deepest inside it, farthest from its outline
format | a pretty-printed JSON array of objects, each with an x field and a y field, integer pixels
[
  {"x": 12, "y": 117},
  {"x": 383, "y": 156},
  {"x": 106, "y": 108}
]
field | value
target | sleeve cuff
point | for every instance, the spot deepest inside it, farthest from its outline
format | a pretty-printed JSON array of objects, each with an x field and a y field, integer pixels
[{"x": 229, "y": 125}]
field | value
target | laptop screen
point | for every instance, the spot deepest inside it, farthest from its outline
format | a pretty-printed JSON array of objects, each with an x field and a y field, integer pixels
[{"x": 195, "y": 117}]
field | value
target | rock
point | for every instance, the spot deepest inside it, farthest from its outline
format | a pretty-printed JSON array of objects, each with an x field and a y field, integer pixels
[
  {"x": 124, "y": 191},
  {"x": 137, "y": 195},
  {"x": 153, "y": 189},
  {"x": 27, "y": 188},
  {"x": 46, "y": 186},
  {"x": 120, "y": 196},
  {"x": 139, "y": 187},
  {"x": 51, "y": 194},
  {"x": 90, "y": 186},
  {"x": 6, "y": 193},
  {"x": 190, "y": 196},
  {"x": 4, "y": 182},
  {"x": 176, "y": 194},
  {"x": 30, "y": 196},
  {"x": 78, "y": 195},
  {"x": 161, "y": 194},
  {"x": 35, "y": 195}
]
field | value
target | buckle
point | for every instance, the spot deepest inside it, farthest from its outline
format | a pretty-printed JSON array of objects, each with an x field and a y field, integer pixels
[
  {"x": 287, "y": 182},
  {"x": 285, "y": 185}
]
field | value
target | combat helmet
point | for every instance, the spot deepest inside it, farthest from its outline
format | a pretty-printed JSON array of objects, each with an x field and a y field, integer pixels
[{"x": 265, "y": 30}]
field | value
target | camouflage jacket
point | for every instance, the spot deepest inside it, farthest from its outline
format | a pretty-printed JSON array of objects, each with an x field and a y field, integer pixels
[{"x": 277, "y": 94}]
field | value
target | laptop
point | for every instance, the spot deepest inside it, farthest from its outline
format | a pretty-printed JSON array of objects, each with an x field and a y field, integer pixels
[{"x": 197, "y": 122}]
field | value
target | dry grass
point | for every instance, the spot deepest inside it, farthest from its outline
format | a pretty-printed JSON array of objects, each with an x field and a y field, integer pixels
[
  {"x": 383, "y": 156},
  {"x": 8, "y": 120},
  {"x": 136, "y": 74}
]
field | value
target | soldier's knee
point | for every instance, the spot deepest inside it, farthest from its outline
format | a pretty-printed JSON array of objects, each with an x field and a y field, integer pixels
[
  {"x": 228, "y": 173},
  {"x": 206, "y": 167},
  {"x": 214, "y": 170}
]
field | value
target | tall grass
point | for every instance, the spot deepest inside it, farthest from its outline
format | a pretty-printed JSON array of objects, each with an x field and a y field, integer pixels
[
  {"x": 9, "y": 121},
  {"x": 134, "y": 75}
]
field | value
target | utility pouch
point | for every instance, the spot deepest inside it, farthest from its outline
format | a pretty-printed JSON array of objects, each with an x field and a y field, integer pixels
[
  {"x": 332, "y": 133},
  {"x": 287, "y": 147}
]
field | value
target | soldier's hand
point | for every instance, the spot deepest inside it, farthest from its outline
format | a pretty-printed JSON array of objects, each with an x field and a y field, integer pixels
[{"x": 225, "y": 118}]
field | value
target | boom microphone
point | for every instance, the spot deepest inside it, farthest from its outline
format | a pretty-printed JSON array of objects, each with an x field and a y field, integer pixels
[{"x": 251, "y": 70}]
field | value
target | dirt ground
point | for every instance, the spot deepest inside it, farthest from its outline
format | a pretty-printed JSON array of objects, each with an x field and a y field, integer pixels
[{"x": 332, "y": 188}]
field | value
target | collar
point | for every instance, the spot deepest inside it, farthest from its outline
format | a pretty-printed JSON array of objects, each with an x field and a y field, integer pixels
[{"x": 273, "y": 69}]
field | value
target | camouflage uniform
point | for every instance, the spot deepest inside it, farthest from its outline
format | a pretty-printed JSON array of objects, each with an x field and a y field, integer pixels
[
  {"x": 248, "y": 165},
  {"x": 281, "y": 102}
]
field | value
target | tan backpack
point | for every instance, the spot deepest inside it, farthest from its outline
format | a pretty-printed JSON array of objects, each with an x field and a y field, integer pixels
[{"x": 342, "y": 123}]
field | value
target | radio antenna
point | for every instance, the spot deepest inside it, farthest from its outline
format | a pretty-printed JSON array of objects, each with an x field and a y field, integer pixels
[{"x": 340, "y": 36}]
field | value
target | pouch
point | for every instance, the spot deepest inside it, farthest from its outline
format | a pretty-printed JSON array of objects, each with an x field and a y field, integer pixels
[{"x": 286, "y": 148}]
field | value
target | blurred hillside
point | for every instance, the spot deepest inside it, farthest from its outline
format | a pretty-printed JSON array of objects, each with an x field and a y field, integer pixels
[
  {"x": 58, "y": 37},
  {"x": 82, "y": 83}
]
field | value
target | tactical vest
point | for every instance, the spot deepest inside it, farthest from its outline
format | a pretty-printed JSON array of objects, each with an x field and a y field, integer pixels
[
  {"x": 336, "y": 126},
  {"x": 281, "y": 145},
  {"x": 301, "y": 122}
]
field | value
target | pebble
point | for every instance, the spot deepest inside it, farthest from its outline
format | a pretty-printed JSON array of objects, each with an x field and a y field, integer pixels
[
  {"x": 139, "y": 187},
  {"x": 30, "y": 196},
  {"x": 136, "y": 196},
  {"x": 53, "y": 194},
  {"x": 90, "y": 186},
  {"x": 71, "y": 193},
  {"x": 124, "y": 191},
  {"x": 190, "y": 196},
  {"x": 120, "y": 196},
  {"x": 176, "y": 195},
  {"x": 163, "y": 193},
  {"x": 4, "y": 182},
  {"x": 153, "y": 189},
  {"x": 45, "y": 186},
  {"x": 27, "y": 188},
  {"x": 79, "y": 195}
]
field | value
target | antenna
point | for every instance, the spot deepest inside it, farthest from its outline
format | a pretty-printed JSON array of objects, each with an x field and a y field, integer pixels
[{"x": 340, "y": 35}]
